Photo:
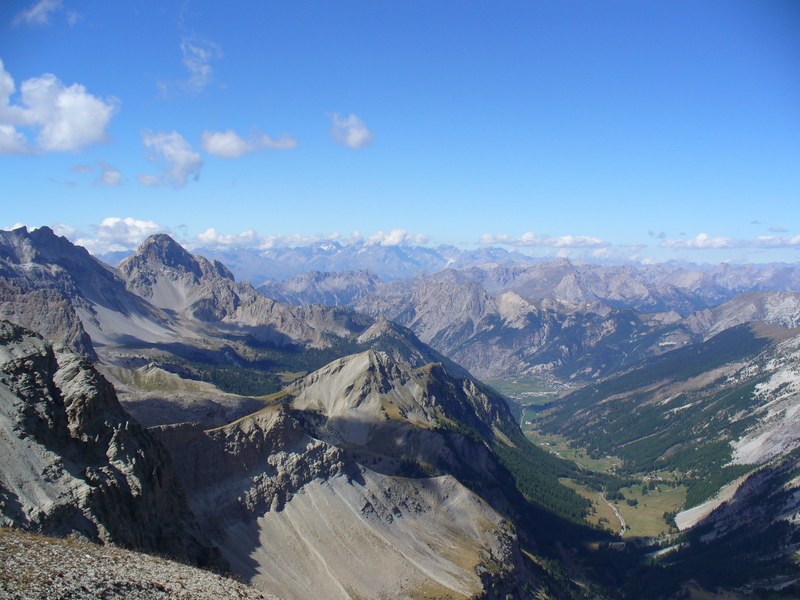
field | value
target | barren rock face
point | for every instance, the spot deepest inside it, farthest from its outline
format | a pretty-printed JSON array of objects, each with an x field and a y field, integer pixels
[{"x": 74, "y": 462}]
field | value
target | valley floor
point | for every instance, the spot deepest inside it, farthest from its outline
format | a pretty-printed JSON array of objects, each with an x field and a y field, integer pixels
[{"x": 643, "y": 508}]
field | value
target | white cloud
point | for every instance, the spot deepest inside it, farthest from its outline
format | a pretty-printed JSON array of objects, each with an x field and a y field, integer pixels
[
  {"x": 68, "y": 231},
  {"x": 396, "y": 237},
  {"x": 296, "y": 239},
  {"x": 149, "y": 180},
  {"x": 532, "y": 240},
  {"x": 251, "y": 239},
  {"x": 225, "y": 144},
  {"x": 197, "y": 56},
  {"x": 247, "y": 239},
  {"x": 703, "y": 241},
  {"x": 284, "y": 142},
  {"x": 38, "y": 14},
  {"x": 11, "y": 140},
  {"x": 778, "y": 241},
  {"x": 174, "y": 155},
  {"x": 778, "y": 229},
  {"x": 350, "y": 131},
  {"x": 115, "y": 234},
  {"x": 67, "y": 118},
  {"x": 228, "y": 144},
  {"x": 109, "y": 175},
  {"x": 574, "y": 241}
]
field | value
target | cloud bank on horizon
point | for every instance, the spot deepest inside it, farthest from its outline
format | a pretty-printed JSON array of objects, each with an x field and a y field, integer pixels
[
  {"x": 488, "y": 129},
  {"x": 124, "y": 234}
]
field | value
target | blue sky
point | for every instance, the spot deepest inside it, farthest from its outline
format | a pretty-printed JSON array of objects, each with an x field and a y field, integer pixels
[{"x": 607, "y": 130}]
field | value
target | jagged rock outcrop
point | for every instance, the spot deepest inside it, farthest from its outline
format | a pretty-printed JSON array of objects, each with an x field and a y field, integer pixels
[{"x": 75, "y": 463}]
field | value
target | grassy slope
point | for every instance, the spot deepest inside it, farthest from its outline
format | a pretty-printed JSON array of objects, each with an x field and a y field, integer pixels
[{"x": 687, "y": 433}]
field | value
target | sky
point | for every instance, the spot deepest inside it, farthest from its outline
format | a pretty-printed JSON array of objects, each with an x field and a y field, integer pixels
[{"x": 639, "y": 130}]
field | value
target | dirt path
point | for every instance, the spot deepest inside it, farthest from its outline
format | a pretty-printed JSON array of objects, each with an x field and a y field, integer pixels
[{"x": 623, "y": 526}]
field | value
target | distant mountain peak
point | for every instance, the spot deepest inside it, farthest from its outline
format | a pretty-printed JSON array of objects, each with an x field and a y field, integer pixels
[
  {"x": 162, "y": 248},
  {"x": 161, "y": 252}
]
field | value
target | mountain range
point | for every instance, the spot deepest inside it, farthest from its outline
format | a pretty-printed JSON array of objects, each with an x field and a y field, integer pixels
[
  {"x": 375, "y": 442},
  {"x": 332, "y": 440},
  {"x": 649, "y": 285},
  {"x": 556, "y": 319}
]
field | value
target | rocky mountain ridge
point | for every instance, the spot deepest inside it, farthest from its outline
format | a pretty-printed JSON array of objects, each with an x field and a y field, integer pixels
[
  {"x": 509, "y": 335},
  {"x": 649, "y": 288},
  {"x": 74, "y": 461},
  {"x": 160, "y": 295},
  {"x": 357, "y": 450}
]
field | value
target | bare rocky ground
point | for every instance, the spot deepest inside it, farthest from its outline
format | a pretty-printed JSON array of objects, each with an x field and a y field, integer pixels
[{"x": 34, "y": 566}]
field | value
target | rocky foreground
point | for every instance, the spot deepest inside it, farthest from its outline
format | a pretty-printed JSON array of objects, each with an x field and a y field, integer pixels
[{"x": 35, "y": 566}]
